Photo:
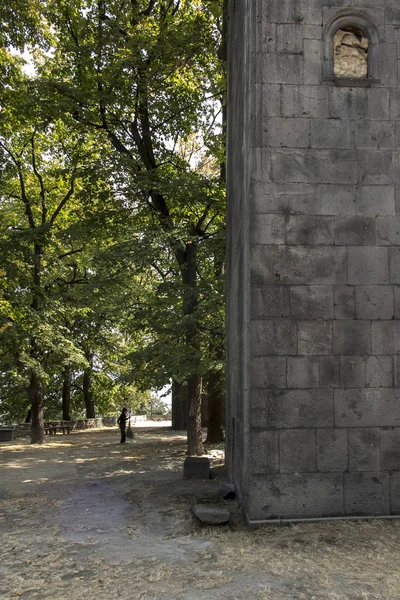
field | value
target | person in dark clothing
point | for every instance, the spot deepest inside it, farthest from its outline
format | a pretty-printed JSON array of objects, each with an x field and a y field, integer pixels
[{"x": 123, "y": 417}]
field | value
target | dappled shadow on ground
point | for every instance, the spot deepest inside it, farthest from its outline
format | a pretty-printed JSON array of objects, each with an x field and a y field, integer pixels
[{"x": 86, "y": 517}]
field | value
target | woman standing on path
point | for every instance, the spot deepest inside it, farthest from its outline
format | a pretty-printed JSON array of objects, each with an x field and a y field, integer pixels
[{"x": 122, "y": 424}]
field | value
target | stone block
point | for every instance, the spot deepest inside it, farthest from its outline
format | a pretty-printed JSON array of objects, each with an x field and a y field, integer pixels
[
  {"x": 390, "y": 440},
  {"x": 298, "y": 495},
  {"x": 301, "y": 12},
  {"x": 273, "y": 337},
  {"x": 310, "y": 230},
  {"x": 374, "y": 302},
  {"x": 282, "y": 68},
  {"x": 8, "y": 434},
  {"x": 378, "y": 103},
  {"x": 396, "y": 290},
  {"x": 269, "y": 37},
  {"x": 337, "y": 199},
  {"x": 196, "y": 467},
  {"x": 330, "y": 133},
  {"x": 286, "y": 132},
  {"x": 315, "y": 337},
  {"x": 332, "y": 454},
  {"x": 375, "y": 135},
  {"x": 314, "y": 166},
  {"x": 379, "y": 371},
  {"x": 269, "y": 301},
  {"x": 367, "y": 407},
  {"x": 367, "y": 265},
  {"x": 290, "y": 37},
  {"x": 364, "y": 449},
  {"x": 351, "y": 338},
  {"x": 312, "y": 62},
  {"x": 352, "y": 371},
  {"x": 376, "y": 200},
  {"x": 268, "y": 229},
  {"x": 390, "y": 65},
  {"x": 211, "y": 514},
  {"x": 366, "y": 494},
  {"x": 329, "y": 371},
  {"x": 348, "y": 103},
  {"x": 305, "y": 101},
  {"x": 268, "y": 371},
  {"x": 315, "y": 301},
  {"x": 264, "y": 451},
  {"x": 393, "y": 15},
  {"x": 345, "y": 307},
  {"x": 297, "y": 451},
  {"x": 298, "y": 265},
  {"x": 375, "y": 167},
  {"x": 394, "y": 257},
  {"x": 394, "y": 101},
  {"x": 395, "y": 493},
  {"x": 355, "y": 231},
  {"x": 269, "y": 198},
  {"x": 291, "y": 409},
  {"x": 385, "y": 337},
  {"x": 303, "y": 372}
]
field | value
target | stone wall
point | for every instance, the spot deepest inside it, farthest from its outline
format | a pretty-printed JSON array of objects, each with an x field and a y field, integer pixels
[{"x": 313, "y": 261}]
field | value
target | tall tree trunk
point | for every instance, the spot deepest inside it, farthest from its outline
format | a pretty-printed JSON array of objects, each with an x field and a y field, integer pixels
[
  {"x": 35, "y": 388},
  {"x": 35, "y": 394},
  {"x": 215, "y": 429},
  {"x": 87, "y": 389},
  {"x": 66, "y": 395},
  {"x": 194, "y": 382},
  {"x": 179, "y": 406}
]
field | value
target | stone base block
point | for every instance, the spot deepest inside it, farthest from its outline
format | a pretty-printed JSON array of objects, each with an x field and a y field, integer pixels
[
  {"x": 196, "y": 467},
  {"x": 7, "y": 434}
]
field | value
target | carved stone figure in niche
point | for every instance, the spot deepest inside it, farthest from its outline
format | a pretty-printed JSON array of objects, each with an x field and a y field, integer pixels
[{"x": 350, "y": 53}]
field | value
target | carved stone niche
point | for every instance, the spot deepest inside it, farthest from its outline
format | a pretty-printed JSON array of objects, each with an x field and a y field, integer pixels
[{"x": 351, "y": 50}]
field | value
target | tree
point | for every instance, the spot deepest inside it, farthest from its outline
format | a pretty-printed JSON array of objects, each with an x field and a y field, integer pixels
[{"x": 145, "y": 75}]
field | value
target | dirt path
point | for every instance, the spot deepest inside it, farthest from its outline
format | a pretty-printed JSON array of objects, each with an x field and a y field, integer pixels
[{"x": 84, "y": 517}]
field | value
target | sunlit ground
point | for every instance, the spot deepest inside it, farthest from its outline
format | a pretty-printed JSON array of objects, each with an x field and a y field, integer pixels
[{"x": 86, "y": 517}]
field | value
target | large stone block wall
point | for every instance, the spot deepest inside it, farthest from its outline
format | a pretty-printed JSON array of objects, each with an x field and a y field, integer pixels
[{"x": 313, "y": 262}]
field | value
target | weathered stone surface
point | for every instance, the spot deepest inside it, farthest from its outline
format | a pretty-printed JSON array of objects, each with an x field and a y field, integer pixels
[
  {"x": 227, "y": 491},
  {"x": 366, "y": 493},
  {"x": 332, "y": 452},
  {"x": 329, "y": 371},
  {"x": 273, "y": 337},
  {"x": 298, "y": 265},
  {"x": 330, "y": 133},
  {"x": 355, "y": 231},
  {"x": 264, "y": 451},
  {"x": 374, "y": 302},
  {"x": 288, "y": 496},
  {"x": 196, "y": 467},
  {"x": 367, "y": 407},
  {"x": 315, "y": 337},
  {"x": 269, "y": 301},
  {"x": 379, "y": 371},
  {"x": 352, "y": 371},
  {"x": 390, "y": 448},
  {"x": 280, "y": 409},
  {"x": 268, "y": 371},
  {"x": 367, "y": 266},
  {"x": 345, "y": 307},
  {"x": 303, "y": 459},
  {"x": 315, "y": 301},
  {"x": 315, "y": 166},
  {"x": 351, "y": 337},
  {"x": 395, "y": 494},
  {"x": 385, "y": 337},
  {"x": 376, "y": 200},
  {"x": 364, "y": 449},
  {"x": 211, "y": 514},
  {"x": 303, "y": 372}
]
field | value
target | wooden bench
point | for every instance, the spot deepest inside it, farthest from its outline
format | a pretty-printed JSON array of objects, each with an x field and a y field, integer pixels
[{"x": 52, "y": 427}]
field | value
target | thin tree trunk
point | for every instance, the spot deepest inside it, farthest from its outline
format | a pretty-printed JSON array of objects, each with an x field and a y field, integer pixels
[
  {"x": 194, "y": 382},
  {"x": 87, "y": 389},
  {"x": 215, "y": 429},
  {"x": 35, "y": 394},
  {"x": 66, "y": 395},
  {"x": 179, "y": 407}
]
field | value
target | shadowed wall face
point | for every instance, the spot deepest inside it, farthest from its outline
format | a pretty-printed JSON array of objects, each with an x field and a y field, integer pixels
[{"x": 314, "y": 258}]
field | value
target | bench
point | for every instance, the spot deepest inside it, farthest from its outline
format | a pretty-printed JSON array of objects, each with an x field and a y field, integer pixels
[{"x": 52, "y": 427}]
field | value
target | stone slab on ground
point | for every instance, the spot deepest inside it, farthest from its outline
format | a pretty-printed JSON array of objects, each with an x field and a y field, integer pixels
[
  {"x": 7, "y": 434},
  {"x": 227, "y": 491},
  {"x": 211, "y": 514},
  {"x": 196, "y": 467}
]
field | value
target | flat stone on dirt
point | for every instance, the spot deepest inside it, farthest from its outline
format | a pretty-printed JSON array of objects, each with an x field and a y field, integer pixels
[
  {"x": 227, "y": 491},
  {"x": 196, "y": 467},
  {"x": 211, "y": 514}
]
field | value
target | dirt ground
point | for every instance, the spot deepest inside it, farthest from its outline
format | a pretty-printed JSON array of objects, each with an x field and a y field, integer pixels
[{"x": 84, "y": 517}]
